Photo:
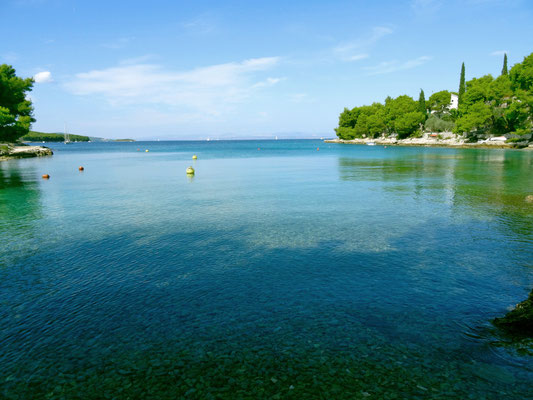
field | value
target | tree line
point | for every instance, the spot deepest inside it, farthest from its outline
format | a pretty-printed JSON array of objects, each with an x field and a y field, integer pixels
[
  {"x": 34, "y": 136},
  {"x": 486, "y": 105}
]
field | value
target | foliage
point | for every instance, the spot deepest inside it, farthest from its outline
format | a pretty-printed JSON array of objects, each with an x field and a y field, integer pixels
[
  {"x": 408, "y": 124},
  {"x": 33, "y": 136},
  {"x": 500, "y": 90},
  {"x": 395, "y": 109},
  {"x": 486, "y": 105},
  {"x": 345, "y": 132},
  {"x": 440, "y": 101},
  {"x": 477, "y": 119},
  {"x": 436, "y": 124},
  {"x": 518, "y": 116},
  {"x": 522, "y": 74},
  {"x": 462, "y": 87},
  {"x": 422, "y": 103},
  {"x": 477, "y": 89},
  {"x": 16, "y": 111},
  {"x": 504, "y": 69}
]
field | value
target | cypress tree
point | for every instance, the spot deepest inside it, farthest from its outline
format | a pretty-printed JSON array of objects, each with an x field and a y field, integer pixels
[
  {"x": 504, "y": 69},
  {"x": 462, "y": 84},
  {"x": 422, "y": 103}
]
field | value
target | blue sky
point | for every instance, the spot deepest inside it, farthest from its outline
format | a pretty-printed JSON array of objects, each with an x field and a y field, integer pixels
[{"x": 230, "y": 69}]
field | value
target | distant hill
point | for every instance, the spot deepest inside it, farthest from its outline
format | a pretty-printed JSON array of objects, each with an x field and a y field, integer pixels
[{"x": 34, "y": 136}]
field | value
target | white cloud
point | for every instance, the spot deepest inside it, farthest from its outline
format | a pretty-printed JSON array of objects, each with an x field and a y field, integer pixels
[
  {"x": 387, "y": 67},
  {"x": 209, "y": 89},
  {"x": 499, "y": 53},
  {"x": 351, "y": 51},
  {"x": 43, "y": 77}
]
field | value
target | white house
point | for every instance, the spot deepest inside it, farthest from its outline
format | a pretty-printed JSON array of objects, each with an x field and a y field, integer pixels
[{"x": 454, "y": 102}]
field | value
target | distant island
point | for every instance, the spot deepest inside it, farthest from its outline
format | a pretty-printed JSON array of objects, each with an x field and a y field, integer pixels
[
  {"x": 486, "y": 111},
  {"x": 34, "y": 136}
]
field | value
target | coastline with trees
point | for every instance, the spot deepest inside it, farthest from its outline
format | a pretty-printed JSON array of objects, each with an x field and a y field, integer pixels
[
  {"x": 485, "y": 112},
  {"x": 16, "y": 115}
]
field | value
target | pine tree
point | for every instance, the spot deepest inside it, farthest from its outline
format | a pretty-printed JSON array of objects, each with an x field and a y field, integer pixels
[
  {"x": 422, "y": 103},
  {"x": 462, "y": 84},
  {"x": 504, "y": 69}
]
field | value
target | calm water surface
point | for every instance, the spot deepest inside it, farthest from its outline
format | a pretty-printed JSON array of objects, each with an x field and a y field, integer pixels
[{"x": 277, "y": 271}]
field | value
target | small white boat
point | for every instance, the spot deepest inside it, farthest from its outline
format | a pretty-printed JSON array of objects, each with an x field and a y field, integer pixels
[
  {"x": 370, "y": 143},
  {"x": 66, "y": 135}
]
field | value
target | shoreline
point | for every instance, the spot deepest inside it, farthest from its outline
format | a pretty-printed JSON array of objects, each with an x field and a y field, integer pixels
[
  {"x": 10, "y": 152},
  {"x": 428, "y": 142}
]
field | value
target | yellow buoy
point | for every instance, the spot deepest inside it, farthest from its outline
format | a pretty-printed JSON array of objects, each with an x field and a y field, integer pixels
[
  {"x": 194, "y": 157},
  {"x": 147, "y": 150},
  {"x": 190, "y": 171},
  {"x": 46, "y": 176}
]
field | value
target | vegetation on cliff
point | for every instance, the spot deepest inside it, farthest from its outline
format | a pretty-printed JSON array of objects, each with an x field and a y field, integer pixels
[{"x": 487, "y": 106}]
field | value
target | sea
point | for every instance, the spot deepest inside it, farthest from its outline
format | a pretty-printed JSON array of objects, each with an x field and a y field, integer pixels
[{"x": 284, "y": 269}]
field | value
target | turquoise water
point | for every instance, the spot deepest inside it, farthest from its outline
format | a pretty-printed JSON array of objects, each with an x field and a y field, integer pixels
[{"x": 277, "y": 271}]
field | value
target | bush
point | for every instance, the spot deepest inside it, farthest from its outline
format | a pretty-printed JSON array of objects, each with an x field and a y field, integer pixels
[{"x": 436, "y": 124}]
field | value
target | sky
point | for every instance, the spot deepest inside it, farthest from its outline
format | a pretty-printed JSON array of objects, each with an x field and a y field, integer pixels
[{"x": 165, "y": 69}]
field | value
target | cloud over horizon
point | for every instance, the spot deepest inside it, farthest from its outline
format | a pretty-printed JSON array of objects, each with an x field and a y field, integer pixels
[{"x": 210, "y": 88}]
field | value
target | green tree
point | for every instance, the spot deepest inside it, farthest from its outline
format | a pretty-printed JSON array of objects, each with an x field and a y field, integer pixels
[
  {"x": 16, "y": 111},
  {"x": 477, "y": 90},
  {"x": 504, "y": 69},
  {"x": 395, "y": 108},
  {"x": 500, "y": 90},
  {"x": 478, "y": 118},
  {"x": 440, "y": 101},
  {"x": 519, "y": 114},
  {"x": 376, "y": 124},
  {"x": 462, "y": 87},
  {"x": 522, "y": 74},
  {"x": 436, "y": 124},
  {"x": 422, "y": 103},
  {"x": 409, "y": 123},
  {"x": 348, "y": 118},
  {"x": 345, "y": 133}
]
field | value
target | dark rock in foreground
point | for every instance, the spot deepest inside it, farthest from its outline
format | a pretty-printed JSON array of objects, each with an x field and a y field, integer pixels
[{"x": 520, "y": 319}]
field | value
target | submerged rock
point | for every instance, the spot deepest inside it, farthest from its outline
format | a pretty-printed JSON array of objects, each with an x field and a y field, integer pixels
[{"x": 520, "y": 319}]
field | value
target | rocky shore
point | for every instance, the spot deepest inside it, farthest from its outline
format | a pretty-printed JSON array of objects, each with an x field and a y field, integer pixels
[
  {"x": 436, "y": 141},
  {"x": 9, "y": 151}
]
